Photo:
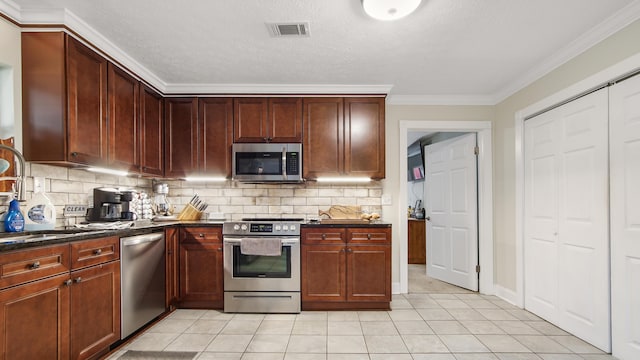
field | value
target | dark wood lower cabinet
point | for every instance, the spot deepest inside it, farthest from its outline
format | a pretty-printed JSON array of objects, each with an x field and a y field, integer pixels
[
  {"x": 417, "y": 241},
  {"x": 354, "y": 273},
  {"x": 171, "y": 241},
  {"x": 34, "y": 320},
  {"x": 201, "y": 268},
  {"x": 95, "y": 310}
]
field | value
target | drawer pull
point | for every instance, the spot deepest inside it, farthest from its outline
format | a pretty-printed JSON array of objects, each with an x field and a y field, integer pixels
[
  {"x": 35, "y": 265},
  {"x": 67, "y": 282},
  {"x": 324, "y": 236},
  {"x": 77, "y": 280},
  {"x": 201, "y": 235},
  {"x": 369, "y": 236},
  {"x": 97, "y": 252}
]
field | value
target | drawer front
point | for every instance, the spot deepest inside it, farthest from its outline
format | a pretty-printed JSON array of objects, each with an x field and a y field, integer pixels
[
  {"x": 323, "y": 236},
  {"x": 32, "y": 264},
  {"x": 372, "y": 236},
  {"x": 201, "y": 235},
  {"x": 93, "y": 252}
]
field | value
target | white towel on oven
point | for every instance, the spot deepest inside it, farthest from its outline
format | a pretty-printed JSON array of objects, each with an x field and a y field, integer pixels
[{"x": 261, "y": 246}]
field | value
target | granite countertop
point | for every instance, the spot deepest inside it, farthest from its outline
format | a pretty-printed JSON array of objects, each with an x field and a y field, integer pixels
[{"x": 28, "y": 239}]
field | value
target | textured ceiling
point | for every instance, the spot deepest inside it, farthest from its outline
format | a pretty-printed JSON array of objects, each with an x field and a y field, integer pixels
[{"x": 477, "y": 48}]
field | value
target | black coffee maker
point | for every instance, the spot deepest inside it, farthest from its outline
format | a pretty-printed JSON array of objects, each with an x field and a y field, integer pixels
[{"x": 107, "y": 205}]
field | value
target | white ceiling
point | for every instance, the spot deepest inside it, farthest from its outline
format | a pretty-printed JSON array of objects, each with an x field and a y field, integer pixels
[{"x": 465, "y": 51}]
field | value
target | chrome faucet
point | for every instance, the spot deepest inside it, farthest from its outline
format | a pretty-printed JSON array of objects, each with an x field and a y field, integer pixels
[{"x": 19, "y": 179}]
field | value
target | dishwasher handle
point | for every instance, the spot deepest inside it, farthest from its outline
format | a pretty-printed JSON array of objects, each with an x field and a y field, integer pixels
[{"x": 140, "y": 239}]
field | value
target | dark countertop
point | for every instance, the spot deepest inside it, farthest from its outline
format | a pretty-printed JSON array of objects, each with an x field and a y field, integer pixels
[{"x": 62, "y": 235}]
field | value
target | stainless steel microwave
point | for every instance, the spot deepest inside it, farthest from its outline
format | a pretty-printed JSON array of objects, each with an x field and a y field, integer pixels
[{"x": 270, "y": 162}]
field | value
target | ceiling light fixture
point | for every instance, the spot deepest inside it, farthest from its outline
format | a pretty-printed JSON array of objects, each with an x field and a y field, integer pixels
[{"x": 389, "y": 9}]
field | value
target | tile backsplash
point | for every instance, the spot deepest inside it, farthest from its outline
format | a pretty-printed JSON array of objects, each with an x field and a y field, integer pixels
[{"x": 235, "y": 200}]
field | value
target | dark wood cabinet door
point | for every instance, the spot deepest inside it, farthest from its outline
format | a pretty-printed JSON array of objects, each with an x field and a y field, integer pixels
[
  {"x": 181, "y": 136},
  {"x": 201, "y": 268},
  {"x": 369, "y": 273},
  {"x": 95, "y": 309},
  {"x": 365, "y": 134},
  {"x": 417, "y": 252},
  {"x": 250, "y": 120},
  {"x": 86, "y": 104},
  {"x": 215, "y": 131},
  {"x": 124, "y": 128},
  {"x": 151, "y": 132},
  {"x": 285, "y": 120},
  {"x": 323, "y": 143},
  {"x": 34, "y": 320},
  {"x": 171, "y": 238},
  {"x": 323, "y": 273}
]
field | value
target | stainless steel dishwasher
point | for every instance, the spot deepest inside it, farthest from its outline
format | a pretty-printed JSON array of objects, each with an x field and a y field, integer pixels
[{"x": 142, "y": 276}]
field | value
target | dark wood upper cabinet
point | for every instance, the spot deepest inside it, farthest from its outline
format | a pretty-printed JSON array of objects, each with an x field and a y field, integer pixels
[
  {"x": 181, "y": 136},
  {"x": 87, "y": 132},
  {"x": 277, "y": 120},
  {"x": 151, "y": 132},
  {"x": 364, "y": 137},
  {"x": 215, "y": 128},
  {"x": 124, "y": 127},
  {"x": 81, "y": 109},
  {"x": 64, "y": 100},
  {"x": 344, "y": 137},
  {"x": 323, "y": 147}
]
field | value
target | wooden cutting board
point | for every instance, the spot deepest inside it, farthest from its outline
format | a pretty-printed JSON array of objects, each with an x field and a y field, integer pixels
[{"x": 342, "y": 212}]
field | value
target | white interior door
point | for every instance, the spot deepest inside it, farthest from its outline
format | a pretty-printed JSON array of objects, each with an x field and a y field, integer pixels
[
  {"x": 566, "y": 227},
  {"x": 451, "y": 203},
  {"x": 625, "y": 217}
]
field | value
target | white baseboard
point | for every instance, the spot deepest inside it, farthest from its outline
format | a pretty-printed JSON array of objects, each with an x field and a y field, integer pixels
[
  {"x": 395, "y": 288},
  {"x": 505, "y": 294}
]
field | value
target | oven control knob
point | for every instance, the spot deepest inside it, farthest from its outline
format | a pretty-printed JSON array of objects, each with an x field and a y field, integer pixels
[
  {"x": 292, "y": 228},
  {"x": 285, "y": 227},
  {"x": 277, "y": 227},
  {"x": 236, "y": 227},
  {"x": 244, "y": 227}
]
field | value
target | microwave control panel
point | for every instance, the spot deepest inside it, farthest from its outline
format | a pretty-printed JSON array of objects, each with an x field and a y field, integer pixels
[{"x": 293, "y": 159}]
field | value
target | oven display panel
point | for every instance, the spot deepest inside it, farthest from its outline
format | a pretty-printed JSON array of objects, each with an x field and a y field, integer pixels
[{"x": 261, "y": 228}]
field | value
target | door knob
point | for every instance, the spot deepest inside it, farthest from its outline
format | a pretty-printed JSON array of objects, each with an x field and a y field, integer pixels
[{"x": 428, "y": 218}]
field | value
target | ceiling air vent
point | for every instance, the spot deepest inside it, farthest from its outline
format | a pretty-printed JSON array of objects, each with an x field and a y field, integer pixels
[{"x": 300, "y": 29}]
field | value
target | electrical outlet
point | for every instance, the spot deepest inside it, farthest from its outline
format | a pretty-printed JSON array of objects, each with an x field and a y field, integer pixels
[
  {"x": 38, "y": 184},
  {"x": 386, "y": 199}
]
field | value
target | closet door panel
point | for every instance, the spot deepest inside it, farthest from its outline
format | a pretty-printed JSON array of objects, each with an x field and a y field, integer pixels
[
  {"x": 625, "y": 217},
  {"x": 567, "y": 277}
]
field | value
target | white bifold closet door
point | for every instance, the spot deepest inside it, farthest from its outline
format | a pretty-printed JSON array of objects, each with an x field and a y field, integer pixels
[
  {"x": 566, "y": 218},
  {"x": 625, "y": 217}
]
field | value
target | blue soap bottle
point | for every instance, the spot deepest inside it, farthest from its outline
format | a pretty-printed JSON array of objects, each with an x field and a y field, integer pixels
[{"x": 14, "y": 221}]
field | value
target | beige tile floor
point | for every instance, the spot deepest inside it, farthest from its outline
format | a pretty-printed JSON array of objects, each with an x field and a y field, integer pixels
[{"x": 435, "y": 321}]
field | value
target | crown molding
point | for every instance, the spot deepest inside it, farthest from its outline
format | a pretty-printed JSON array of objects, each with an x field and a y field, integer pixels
[
  {"x": 176, "y": 89},
  {"x": 11, "y": 10},
  {"x": 606, "y": 28},
  {"x": 440, "y": 100}
]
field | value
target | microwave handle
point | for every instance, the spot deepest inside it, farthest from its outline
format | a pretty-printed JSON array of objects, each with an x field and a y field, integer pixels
[{"x": 284, "y": 162}]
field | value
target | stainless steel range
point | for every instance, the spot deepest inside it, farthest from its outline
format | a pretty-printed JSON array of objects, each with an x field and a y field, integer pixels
[{"x": 262, "y": 265}]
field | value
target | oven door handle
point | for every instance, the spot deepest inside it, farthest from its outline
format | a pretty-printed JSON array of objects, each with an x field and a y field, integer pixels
[{"x": 285, "y": 240}]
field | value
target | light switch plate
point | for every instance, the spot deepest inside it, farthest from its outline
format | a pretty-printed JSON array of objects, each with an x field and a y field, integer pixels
[{"x": 386, "y": 199}]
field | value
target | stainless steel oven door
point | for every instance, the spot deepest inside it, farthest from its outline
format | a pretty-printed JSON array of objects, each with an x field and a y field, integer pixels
[{"x": 262, "y": 273}]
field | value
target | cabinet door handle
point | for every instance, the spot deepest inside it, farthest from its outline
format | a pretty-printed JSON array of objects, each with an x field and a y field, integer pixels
[
  {"x": 74, "y": 154},
  {"x": 77, "y": 280},
  {"x": 35, "y": 265},
  {"x": 219, "y": 249},
  {"x": 67, "y": 282},
  {"x": 97, "y": 252},
  {"x": 349, "y": 250}
]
